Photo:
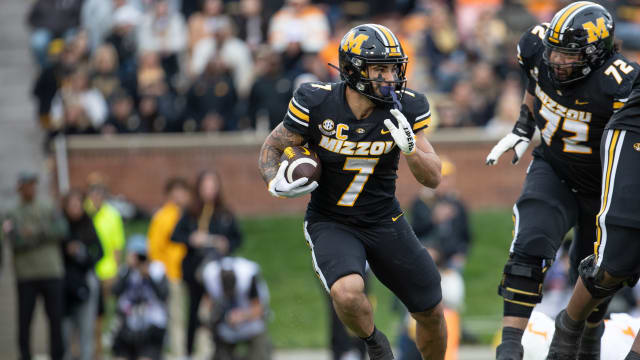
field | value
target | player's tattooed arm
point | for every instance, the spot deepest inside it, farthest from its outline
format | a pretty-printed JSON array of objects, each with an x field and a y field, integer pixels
[{"x": 272, "y": 150}]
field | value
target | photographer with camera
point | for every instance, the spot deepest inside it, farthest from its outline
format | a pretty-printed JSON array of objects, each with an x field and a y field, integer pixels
[
  {"x": 240, "y": 303},
  {"x": 141, "y": 289}
]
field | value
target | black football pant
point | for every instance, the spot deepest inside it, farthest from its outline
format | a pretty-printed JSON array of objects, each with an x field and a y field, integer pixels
[
  {"x": 52, "y": 293},
  {"x": 618, "y": 221}
]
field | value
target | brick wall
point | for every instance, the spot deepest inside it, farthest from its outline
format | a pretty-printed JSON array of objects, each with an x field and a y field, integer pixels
[{"x": 139, "y": 173}]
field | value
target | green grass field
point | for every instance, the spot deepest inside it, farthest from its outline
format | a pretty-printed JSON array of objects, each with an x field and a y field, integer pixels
[{"x": 298, "y": 302}]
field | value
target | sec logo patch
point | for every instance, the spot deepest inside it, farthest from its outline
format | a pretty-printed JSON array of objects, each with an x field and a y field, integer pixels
[
  {"x": 327, "y": 127},
  {"x": 636, "y": 146}
]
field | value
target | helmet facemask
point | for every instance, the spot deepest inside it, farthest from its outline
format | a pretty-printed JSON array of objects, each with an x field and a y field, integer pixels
[
  {"x": 381, "y": 89},
  {"x": 566, "y": 66}
]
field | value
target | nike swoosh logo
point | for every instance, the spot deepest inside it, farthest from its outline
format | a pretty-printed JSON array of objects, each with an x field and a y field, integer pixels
[
  {"x": 578, "y": 102},
  {"x": 396, "y": 217},
  {"x": 383, "y": 132}
]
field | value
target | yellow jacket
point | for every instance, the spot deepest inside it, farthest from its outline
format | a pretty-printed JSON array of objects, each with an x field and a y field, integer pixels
[
  {"x": 110, "y": 229},
  {"x": 161, "y": 248}
]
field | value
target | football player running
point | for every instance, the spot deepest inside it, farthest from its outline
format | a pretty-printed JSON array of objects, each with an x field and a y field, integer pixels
[
  {"x": 615, "y": 262},
  {"x": 577, "y": 80},
  {"x": 359, "y": 127}
]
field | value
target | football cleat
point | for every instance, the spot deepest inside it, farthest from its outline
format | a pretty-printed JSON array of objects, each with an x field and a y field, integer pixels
[
  {"x": 563, "y": 345},
  {"x": 509, "y": 350}
]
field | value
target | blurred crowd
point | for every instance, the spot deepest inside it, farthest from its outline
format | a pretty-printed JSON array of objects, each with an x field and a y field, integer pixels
[
  {"x": 143, "y": 66},
  {"x": 157, "y": 66},
  {"x": 134, "y": 297},
  {"x": 149, "y": 294}
]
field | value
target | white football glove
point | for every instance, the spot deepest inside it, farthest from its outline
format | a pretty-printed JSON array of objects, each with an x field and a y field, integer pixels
[
  {"x": 280, "y": 187},
  {"x": 518, "y": 143},
  {"x": 402, "y": 135}
]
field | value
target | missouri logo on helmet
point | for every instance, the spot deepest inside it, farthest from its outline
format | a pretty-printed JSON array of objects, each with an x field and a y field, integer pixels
[
  {"x": 353, "y": 43},
  {"x": 596, "y": 31},
  {"x": 585, "y": 30},
  {"x": 366, "y": 45}
]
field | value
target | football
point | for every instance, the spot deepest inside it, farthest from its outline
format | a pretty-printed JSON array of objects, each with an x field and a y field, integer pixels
[{"x": 302, "y": 163}]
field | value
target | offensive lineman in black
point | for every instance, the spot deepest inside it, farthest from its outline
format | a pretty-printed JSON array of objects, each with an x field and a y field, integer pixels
[
  {"x": 615, "y": 262},
  {"x": 577, "y": 80},
  {"x": 353, "y": 216}
]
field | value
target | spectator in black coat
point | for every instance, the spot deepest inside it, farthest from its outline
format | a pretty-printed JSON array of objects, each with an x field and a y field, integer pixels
[
  {"x": 271, "y": 92},
  {"x": 440, "y": 221},
  {"x": 211, "y": 101},
  {"x": 210, "y": 231},
  {"x": 252, "y": 23},
  {"x": 82, "y": 250},
  {"x": 123, "y": 117},
  {"x": 63, "y": 61}
]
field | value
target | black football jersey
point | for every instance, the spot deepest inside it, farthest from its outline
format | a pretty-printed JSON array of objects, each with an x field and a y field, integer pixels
[
  {"x": 571, "y": 120},
  {"x": 359, "y": 157},
  {"x": 628, "y": 118}
]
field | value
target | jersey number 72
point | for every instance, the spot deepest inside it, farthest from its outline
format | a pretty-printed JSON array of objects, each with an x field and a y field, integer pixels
[{"x": 571, "y": 143}]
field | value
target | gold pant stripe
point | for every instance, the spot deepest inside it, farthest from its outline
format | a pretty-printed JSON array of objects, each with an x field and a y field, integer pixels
[
  {"x": 522, "y": 292},
  {"x": 605, "y": 196},
  {"x": 520, "y": 303}
]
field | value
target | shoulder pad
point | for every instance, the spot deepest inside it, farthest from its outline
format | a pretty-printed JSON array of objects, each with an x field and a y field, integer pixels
[
  {"x": 415, "y": 107},
  {"x": 530, "y": 44},
  {"x": 414, "y": 102},
  {"x": 618, "y": 75},
  {"x": 313, "y": 93},
  {"x": 629, "y": 107}
]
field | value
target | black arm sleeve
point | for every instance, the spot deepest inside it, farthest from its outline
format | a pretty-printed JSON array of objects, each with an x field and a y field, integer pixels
[{"x": 526, "y": 124}]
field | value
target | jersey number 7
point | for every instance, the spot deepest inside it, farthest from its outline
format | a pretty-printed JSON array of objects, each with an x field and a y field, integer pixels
[{"x": 364, "y": 167}]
